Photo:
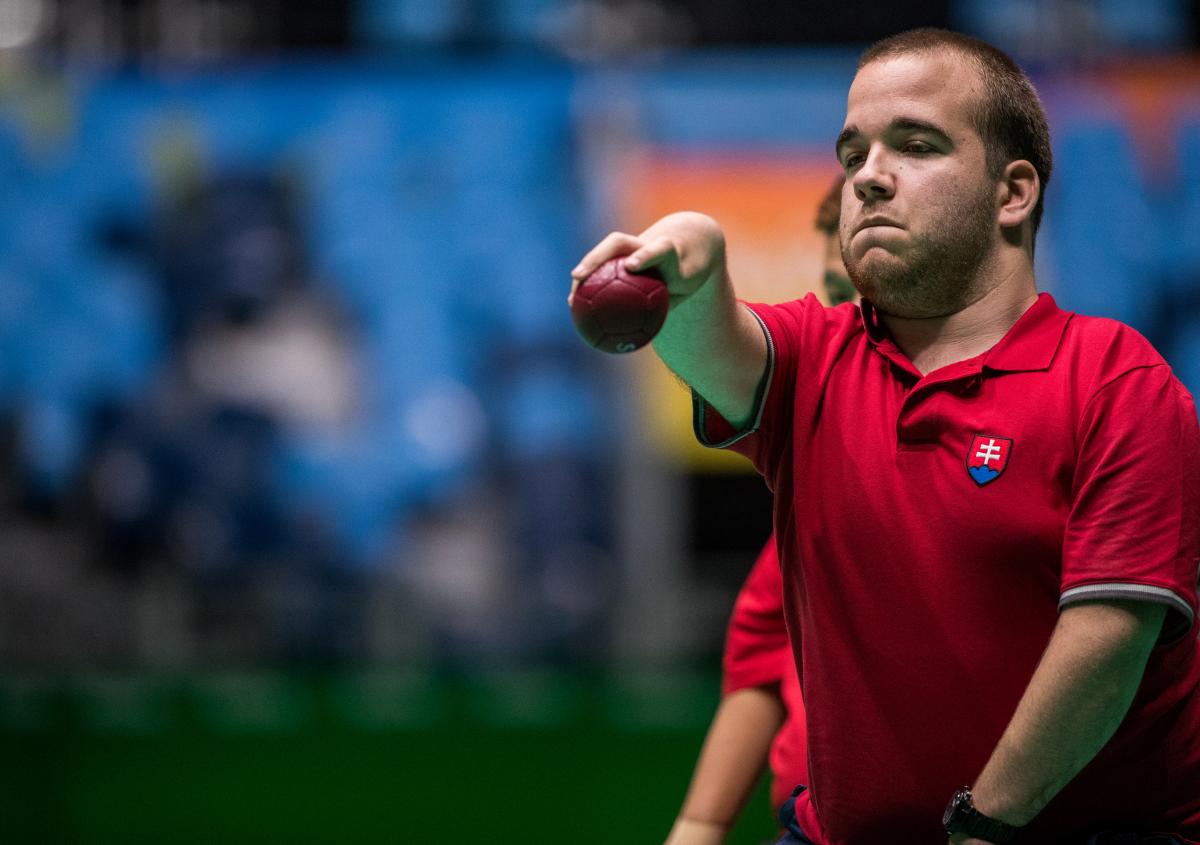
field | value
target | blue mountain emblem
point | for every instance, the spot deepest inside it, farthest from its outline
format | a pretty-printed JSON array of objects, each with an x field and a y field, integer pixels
[{"x": 983, "y": 475}]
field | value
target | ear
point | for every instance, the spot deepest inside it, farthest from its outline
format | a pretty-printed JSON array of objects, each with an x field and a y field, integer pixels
[{"x": 1020, "y": 188}]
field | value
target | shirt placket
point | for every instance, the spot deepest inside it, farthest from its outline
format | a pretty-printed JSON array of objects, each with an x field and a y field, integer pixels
[{"x": 920, "y": 422}]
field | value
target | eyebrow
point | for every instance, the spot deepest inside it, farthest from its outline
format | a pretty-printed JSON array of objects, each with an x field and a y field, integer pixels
[
  {"x": 846, "y": 134},
  {"x": 909, "y": 124}
]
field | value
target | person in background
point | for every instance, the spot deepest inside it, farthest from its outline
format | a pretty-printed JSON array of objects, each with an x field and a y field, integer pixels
[{"x": 760, "y": 718}]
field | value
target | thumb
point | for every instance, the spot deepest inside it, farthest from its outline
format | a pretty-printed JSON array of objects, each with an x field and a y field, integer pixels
[{"x": 659, "y": 253}]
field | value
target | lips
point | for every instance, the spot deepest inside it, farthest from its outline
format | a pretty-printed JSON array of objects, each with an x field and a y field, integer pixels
[{"x": 871, "y": 222}]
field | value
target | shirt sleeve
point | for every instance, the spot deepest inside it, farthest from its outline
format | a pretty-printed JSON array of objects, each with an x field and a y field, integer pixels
[
  {"x": 1133, "y": 531},
  {"x": 797, "y": 334},
  {"x": 756, "y": 644}
]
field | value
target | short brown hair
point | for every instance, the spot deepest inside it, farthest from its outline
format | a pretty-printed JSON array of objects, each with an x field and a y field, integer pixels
[
  {"x": 1010, "y": 119},
  {"x": 829, "y": 212}
]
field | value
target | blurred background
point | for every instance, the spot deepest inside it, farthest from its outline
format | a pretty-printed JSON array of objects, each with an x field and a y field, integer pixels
[{"x": 317, "y": 521}]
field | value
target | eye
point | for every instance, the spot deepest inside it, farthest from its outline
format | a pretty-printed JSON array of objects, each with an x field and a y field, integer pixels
[
  {"x": 853, "y": 160},
  {"x": 917, "y": 147}
]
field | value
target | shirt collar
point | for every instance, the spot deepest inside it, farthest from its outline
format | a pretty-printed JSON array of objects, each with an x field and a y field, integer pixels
[
  {"x": 1032, "y": 341},
  {"x": 1029, "y": 345}
]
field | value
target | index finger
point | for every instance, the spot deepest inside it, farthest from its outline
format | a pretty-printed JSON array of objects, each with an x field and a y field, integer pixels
[{"x": 614, "y": 245}]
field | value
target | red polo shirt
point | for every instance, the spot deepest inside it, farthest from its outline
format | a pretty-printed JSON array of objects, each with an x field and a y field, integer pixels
[
  {"x": 930, "y": 529},
  {"x": 757, "y": 654}
]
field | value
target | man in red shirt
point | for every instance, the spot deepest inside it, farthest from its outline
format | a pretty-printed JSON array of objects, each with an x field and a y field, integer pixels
[
  {"x": 761, "y": 714},
  {"x": 1012, "y": 604}
]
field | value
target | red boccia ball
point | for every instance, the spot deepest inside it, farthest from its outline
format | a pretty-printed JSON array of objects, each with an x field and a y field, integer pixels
[{"x": 618, "y": 311}]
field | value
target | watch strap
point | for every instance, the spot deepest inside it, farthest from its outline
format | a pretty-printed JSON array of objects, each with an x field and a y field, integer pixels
[{"x": 962, "y": 817}]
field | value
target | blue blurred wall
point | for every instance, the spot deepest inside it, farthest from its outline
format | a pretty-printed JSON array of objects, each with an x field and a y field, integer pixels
[{"x": 441, "y": 205}]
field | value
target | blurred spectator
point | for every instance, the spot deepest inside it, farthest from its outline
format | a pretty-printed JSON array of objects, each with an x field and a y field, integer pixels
[{"x": 187, "y": 472}]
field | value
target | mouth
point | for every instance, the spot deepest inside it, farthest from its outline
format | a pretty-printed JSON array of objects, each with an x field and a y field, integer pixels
[{"x": 872, "y": 222}]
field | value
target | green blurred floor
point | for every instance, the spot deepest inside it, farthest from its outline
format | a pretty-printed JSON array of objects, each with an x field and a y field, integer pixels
[{"x": 250, "y": 757}]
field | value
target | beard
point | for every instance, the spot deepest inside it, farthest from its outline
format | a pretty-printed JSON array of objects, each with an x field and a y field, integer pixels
[{"x": 937, "y": 275}]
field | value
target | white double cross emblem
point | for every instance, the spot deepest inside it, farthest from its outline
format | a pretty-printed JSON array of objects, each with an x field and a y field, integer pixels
[{"x": 989, "y": 451}]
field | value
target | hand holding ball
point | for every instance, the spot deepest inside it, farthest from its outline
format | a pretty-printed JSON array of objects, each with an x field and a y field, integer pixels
[{"x": 618, "y": 311}]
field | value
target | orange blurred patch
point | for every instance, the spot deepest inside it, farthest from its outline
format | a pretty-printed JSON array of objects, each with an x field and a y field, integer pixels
[
  {"x": 1152, "y": 92},
  {"x": 767, "y": 205}
]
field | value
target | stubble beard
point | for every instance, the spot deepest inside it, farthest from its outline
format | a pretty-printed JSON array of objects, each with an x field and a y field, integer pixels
[{"x": 940, "y": 273}]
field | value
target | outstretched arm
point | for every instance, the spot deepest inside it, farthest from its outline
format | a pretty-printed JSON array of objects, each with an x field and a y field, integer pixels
[{"x": 710, "y": 341}]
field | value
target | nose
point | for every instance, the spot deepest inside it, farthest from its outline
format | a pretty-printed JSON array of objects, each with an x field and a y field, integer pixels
[{"x": 874, "y": 179}]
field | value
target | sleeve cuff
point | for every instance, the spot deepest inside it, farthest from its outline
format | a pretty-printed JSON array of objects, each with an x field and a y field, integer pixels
[
  {"x": 711, "y": 428},
  {"x": 761, "y": 677},
  {"x": 1180, "y": 614}
]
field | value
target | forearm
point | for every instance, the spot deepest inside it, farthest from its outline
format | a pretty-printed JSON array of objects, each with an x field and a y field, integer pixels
[
  {"x": 708, "y": 340},
  {"x": 733, "y": 757},
  {"x": 717, "y": 347},
  {"x": 1077, "y": 698}
]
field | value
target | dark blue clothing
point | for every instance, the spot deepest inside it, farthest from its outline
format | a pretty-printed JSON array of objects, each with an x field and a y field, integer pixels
[{"x": 787, "y": 818}]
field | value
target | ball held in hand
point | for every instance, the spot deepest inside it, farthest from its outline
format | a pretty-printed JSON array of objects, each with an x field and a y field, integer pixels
[{"x": 618, "y": 311}]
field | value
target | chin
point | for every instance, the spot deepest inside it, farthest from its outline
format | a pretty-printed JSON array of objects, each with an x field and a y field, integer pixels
[
  {"x": 878, "y": 272},
  {"x": 891, "y": 293}
]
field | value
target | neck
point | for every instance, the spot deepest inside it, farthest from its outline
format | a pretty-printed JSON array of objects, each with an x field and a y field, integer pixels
[{"x": 935, "y": 342}]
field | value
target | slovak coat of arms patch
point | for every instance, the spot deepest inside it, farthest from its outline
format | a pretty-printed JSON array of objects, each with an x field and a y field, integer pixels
[{"x": 988, "y": 457}]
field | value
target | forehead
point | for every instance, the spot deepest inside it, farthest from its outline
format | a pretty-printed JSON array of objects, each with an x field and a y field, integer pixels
[{"x": 940, "y": 87}]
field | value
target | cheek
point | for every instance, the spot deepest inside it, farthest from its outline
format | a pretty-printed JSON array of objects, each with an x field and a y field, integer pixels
[
  {"x": 850, "y": 206},
  {"x": 843, "y": 238},
  {"x": 944, "y": 200}
]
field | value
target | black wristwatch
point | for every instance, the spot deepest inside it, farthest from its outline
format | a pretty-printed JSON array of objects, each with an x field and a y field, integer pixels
[{"x": 962, "y": 817}]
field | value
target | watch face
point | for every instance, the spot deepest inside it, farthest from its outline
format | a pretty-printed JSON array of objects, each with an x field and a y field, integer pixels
[{"x": 960, "y": 801}]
